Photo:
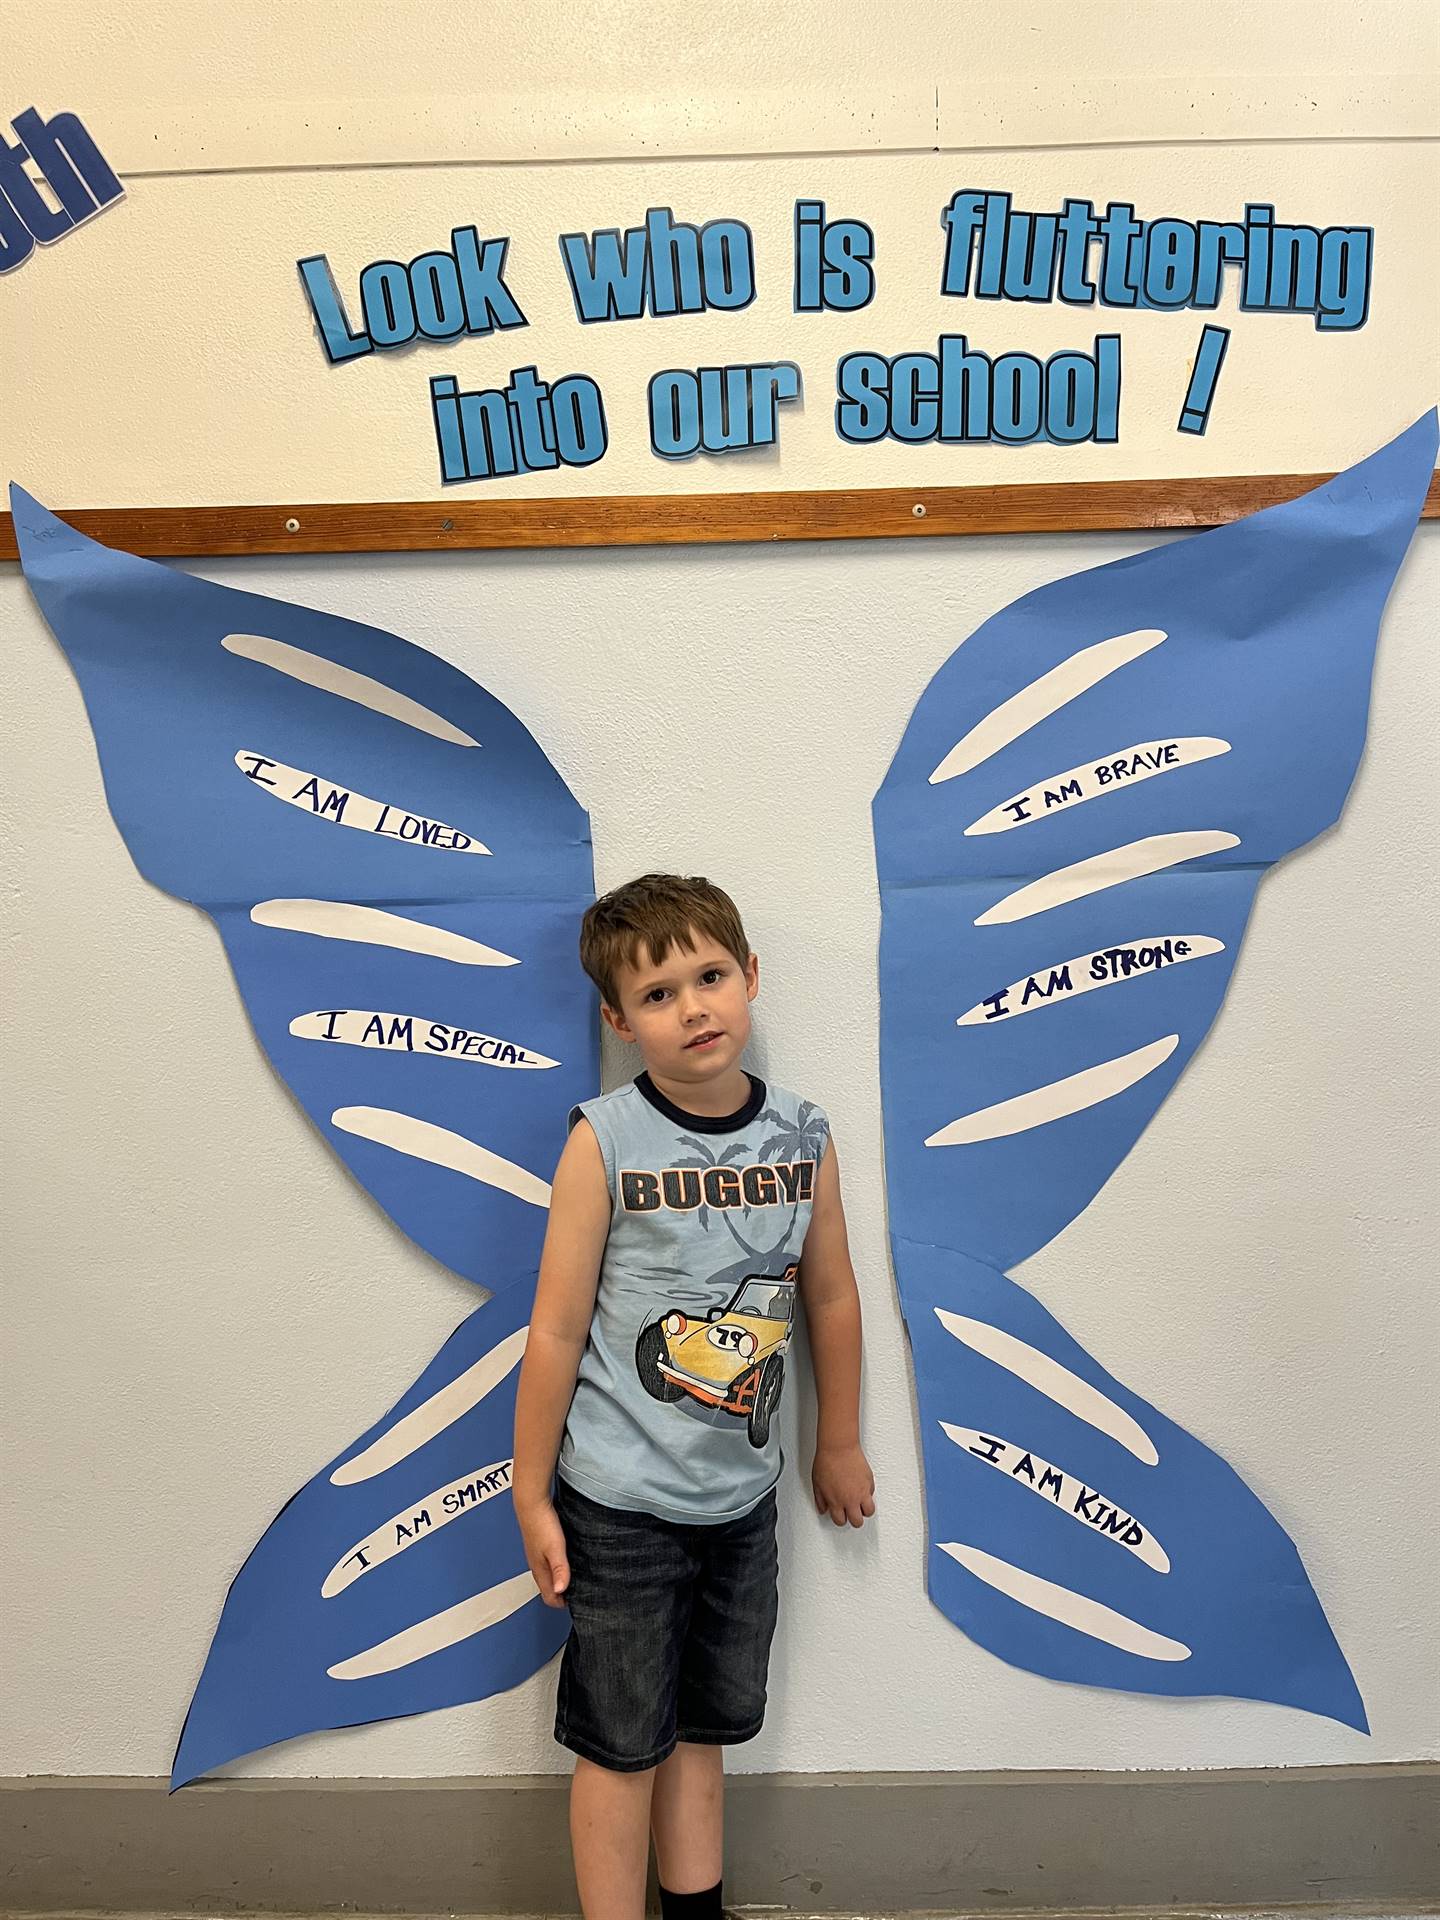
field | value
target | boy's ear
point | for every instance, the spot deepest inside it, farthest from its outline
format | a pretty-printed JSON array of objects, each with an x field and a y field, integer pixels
[
  {"x": 752, "y": 976},
  {"x": 616, "y": 1022}
]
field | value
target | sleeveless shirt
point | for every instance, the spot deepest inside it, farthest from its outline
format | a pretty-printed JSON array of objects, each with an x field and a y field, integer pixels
[{"x": 690, "y": 1340}]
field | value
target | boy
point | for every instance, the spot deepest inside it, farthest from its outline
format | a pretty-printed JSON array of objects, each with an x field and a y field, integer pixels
[{"x": 665, "y": 1307}]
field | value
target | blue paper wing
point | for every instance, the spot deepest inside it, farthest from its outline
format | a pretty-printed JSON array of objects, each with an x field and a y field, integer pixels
[
  {"x": 1069, "y": 840},
  {"x": 395, "y": 1581},
  {"x": 396, "y": 869},
  {"x": 398, "y": 875}
]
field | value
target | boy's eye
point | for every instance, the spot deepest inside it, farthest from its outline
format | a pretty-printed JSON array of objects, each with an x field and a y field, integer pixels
[
  {"x": 711, "y": 975},
  {"x": 655, "y": 996}
]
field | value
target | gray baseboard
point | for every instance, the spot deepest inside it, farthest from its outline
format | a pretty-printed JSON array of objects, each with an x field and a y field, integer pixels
[{"x": 811, "y": 1843}]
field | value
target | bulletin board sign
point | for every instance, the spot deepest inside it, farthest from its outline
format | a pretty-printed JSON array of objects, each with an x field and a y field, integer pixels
[{"x": 707, "y": 349}]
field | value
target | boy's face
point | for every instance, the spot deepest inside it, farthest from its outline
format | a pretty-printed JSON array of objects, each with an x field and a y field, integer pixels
[{"x": 689, "y": 1013}]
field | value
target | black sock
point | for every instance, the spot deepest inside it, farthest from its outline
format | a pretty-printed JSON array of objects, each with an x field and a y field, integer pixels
[{"x": 691, "y": 1906}]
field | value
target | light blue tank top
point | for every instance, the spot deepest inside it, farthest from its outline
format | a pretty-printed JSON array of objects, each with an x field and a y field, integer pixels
[{"x": 675, "y": 1407}]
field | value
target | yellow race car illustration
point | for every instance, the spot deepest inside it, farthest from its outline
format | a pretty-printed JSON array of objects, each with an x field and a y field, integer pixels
[{"x": 733, "y": 1358}]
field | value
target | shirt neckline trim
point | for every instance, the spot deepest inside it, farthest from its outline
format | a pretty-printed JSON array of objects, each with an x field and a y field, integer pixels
[{"x": 704, "y": 1122}]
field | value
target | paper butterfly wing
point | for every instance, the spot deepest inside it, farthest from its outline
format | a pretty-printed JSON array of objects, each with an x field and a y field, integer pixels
[
  {"x": 398, "y": 875},
  {"x": 395, "y": 1581},
  {"x": 1069, "y": 840},
  {"x": 1086, "y": 1536},
  {"x": 395, "y": 867}
]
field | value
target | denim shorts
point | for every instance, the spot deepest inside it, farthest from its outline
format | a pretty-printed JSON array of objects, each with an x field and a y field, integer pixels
[{"x": 670, "y": 1630}]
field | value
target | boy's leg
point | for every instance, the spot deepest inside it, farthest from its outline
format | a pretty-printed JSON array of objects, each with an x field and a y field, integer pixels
[
  {"x": 610, "y": 1838},
  {"x": 721, "y": 1700},
  {"x": 629, "y": 1599},
  {"x": 687, "y": 1814}
]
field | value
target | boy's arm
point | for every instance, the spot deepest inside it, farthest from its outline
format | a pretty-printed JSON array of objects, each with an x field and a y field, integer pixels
[
  {"x": 843, "y": 1484},
  {"x": 559, "y": 1326}
]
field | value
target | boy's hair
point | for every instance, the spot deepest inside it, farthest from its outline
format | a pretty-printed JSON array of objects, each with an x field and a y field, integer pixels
[{"x": 659, "y": 911}]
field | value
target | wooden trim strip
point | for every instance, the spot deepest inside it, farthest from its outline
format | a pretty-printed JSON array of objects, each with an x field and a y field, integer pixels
[{"x": 659, "y": 519}]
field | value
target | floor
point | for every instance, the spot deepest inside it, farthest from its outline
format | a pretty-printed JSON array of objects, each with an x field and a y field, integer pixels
[{"x": 1421, "y": 1911}]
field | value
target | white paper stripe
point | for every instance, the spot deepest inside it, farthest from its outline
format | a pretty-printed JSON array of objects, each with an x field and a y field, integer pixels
[
  {"x": 1066, "y": 1492},
  {"x": 440, "y": 1630},
  {"x": 433, "y": 1416},
  {"x": 1059, "y": 792},
  {"x": 417, "y": 1522},
  {"x": 374, "y": 927},
  {"x": 1072, "y": 1609},
  {"x": 1109, "y": 869},
  {"x": 1042, "y": 697},
  {"x": 1055, "y": 1381},
  {"x": 423, "y": 1140},
  {"x": 326, "y": 799},
  {"x": 330, "y": 677},
  {"x": 1057, "y": 1100},
  {"x": 1124, "y": 961},
  {"x": 412, "y": 1033}
]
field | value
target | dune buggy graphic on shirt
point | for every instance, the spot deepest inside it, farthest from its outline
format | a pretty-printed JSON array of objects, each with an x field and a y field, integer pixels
[
  {"x": 678, "y": 1399},
  {"x": 732, "y": 1357}
]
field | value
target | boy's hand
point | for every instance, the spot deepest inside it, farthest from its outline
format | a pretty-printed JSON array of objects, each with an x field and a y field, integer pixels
[
  {"x": 843, "y": 1485},
  {"x": 544, "y": 1539}
]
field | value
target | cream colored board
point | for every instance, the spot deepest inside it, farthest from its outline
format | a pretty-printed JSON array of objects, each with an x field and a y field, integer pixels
[
  {"x": 186, "y": 85},
  {"x": 165, "y": 354}
]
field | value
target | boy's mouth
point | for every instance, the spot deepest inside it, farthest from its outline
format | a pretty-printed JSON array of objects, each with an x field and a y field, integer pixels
[{"x": 702, "y": 1041}]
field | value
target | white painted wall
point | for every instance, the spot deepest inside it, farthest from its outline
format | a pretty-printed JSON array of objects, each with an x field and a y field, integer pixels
[
  {"x": 200, "y": 1309},
  {"x": 203, "y": 1309}
]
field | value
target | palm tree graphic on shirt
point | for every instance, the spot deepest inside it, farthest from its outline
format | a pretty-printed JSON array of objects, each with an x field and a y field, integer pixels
[{"x": 802, "y": 1138}]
